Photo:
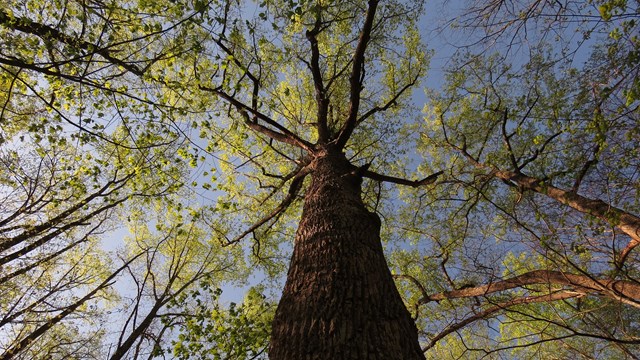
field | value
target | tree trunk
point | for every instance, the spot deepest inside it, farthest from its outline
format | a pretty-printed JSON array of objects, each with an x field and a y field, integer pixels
[{"x": 340, "y": 301}]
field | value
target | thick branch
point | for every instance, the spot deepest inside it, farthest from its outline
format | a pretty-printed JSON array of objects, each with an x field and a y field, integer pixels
[
  {"x": 392, "y": 179},
  {"x": 626, "y": 222},
  {"x": 355, "y": 80},
  {"x": 321, "y": 93},
  {"x": 621, "y": 290}
]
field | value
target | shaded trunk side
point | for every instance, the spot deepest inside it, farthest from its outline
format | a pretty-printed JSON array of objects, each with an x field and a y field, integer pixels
[{"x": 340, "y": 301}]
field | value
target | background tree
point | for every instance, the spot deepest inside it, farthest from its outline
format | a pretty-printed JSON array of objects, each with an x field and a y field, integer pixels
[
  {"x": 540, "y": 208},
  {"x": 77, "y": 165}
]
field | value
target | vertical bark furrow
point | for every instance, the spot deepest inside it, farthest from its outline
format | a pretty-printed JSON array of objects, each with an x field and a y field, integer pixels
[{"x": 340, "y": 301}]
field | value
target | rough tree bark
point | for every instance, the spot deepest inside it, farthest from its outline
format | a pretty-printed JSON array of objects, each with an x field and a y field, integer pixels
[{"x": 340, "y": 301}]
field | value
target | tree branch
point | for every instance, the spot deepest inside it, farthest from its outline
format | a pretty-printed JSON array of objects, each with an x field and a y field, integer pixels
[
  {"x": 355, "y": 79},
  {"x": 415, "y": 282},
  {"x": 560, "y": 295},
  {"x": 284, "y": 135},
  {"x": 623, "y": 220},
  {"x": 321, "y": 95},
  {"x": 627, "y": 292},
  {"x": 46, "y": 32},
  {"x": 392, "y": 179},
  {"x": 626, "y": 222},
  {"x": 506, "y": 138},
  {"x": 389, "y": 103},
  {"x": 296, "y": 183},
  {"x": 21, "y": 345},
  {"x": 538, "y": 151},
  {"x": 585, "y": 168},
  {"x": 56, "y": 221}
]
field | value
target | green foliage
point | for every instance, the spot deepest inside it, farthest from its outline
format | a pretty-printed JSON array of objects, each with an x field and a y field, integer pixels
[{"x": 213, "y": 331}]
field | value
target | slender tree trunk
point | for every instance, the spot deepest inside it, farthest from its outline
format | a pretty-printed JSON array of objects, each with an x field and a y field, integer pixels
[
  {"x": 340, "y": 301},
  {"x": 136, "y": 334}
]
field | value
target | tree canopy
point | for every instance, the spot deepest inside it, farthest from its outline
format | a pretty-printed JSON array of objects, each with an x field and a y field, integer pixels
[{"x": 157, "y": 155}]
